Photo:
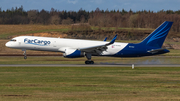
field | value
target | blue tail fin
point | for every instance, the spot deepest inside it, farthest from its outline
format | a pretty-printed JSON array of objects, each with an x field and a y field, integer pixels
[{"x": 157, "y": 37}]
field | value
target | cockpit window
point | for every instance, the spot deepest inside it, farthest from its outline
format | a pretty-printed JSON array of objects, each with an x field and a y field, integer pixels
[{"x": 13, "y": 40}]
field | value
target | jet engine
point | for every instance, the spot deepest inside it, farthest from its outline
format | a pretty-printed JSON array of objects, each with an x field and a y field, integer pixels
[{"x": 73, "y": 53}]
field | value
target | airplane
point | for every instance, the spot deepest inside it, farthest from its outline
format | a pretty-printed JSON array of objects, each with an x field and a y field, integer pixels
[{"x": 75, "y": 48}]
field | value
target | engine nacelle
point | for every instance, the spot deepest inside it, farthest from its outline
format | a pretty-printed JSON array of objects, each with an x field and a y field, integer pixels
[{"x": 73, "y": 53}]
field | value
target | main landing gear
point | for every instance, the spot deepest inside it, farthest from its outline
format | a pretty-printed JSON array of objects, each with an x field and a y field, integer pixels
[
  {"x": 89, "y": 61},
  {"x": 25, "y": 56}
]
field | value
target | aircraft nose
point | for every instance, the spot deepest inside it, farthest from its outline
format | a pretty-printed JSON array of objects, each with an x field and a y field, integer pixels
[{"x": 8, "y": 44}]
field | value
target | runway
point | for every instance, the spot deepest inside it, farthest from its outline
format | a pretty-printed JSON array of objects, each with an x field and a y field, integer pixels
[{"x": 94, "y": 65}]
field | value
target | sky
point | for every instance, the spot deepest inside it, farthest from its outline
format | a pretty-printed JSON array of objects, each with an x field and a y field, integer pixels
[{"x": 89, "y": 5}]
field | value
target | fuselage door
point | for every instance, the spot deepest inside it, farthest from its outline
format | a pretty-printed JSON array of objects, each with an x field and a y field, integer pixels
[
  {"x": 19, "y": 42},
  {"x": 54, "y": 44}
]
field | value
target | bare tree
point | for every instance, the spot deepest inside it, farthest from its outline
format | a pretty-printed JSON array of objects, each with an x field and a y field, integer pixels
[
  {"x": 133, "y": 20},
  {"x": 55, "y": 20},
  {"x": 82, "y": 19},
  {"x": 32, "y": 15},
  {"x": 67, "y": 21}
]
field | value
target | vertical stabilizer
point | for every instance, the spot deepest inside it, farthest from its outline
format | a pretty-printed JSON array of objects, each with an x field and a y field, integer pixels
[{"x": 157, "y": 37}]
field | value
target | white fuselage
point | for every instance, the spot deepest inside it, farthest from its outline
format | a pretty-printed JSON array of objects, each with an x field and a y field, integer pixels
[{"x": 60, "y": 44}]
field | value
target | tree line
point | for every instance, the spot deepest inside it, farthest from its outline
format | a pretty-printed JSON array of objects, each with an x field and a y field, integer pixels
[{"x": 101, "y": 18}]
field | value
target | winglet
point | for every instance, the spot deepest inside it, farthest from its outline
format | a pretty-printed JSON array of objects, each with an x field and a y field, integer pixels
[
  {"x": 113, "y": 40},
  {"x": 105, "y": 39},
  {"x": 99, "y": 47}
]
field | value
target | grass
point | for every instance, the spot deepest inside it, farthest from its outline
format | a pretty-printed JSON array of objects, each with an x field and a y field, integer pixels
[
  {"x": 15, "y": 30},
  {"x": 84, "y": 83},
  {"x": 173, "y": 52},
  {"x": 7, "y": 31},
  {"x": 6, "y": 35},
  {"x": 89, "y": 83},
  {"x": 97, "y": 60},
  {"x": 114, "y": 28}
]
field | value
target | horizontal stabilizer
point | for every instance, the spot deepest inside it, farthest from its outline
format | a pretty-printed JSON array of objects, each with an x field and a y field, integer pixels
[{"x": 156, "y": 50}]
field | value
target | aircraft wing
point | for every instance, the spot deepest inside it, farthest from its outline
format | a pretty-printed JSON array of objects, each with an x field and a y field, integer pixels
[{"x": 98, "y": 49}]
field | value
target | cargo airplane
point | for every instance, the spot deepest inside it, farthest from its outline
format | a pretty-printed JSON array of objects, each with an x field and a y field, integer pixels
[{"x": 75, "y": 48}]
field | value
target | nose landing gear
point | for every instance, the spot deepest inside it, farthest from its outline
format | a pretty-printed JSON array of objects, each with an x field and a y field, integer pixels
[{"x": 25, "y": 56}]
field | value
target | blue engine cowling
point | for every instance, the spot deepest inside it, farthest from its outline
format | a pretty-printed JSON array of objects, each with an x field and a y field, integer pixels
[{"x": 73, "y": 53}]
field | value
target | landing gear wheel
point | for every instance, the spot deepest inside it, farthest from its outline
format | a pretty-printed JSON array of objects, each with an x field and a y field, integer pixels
[
  {"x": 88, "y": 56},
  {"x": 89, "y": 62},
  {"x": 25, "y": 57}
]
